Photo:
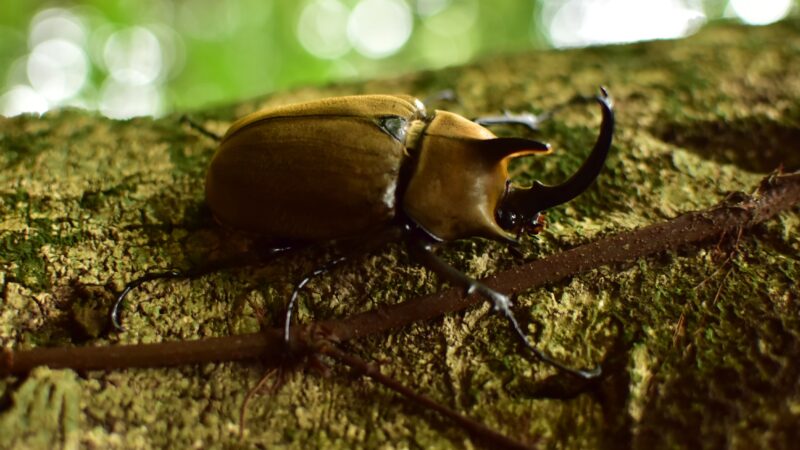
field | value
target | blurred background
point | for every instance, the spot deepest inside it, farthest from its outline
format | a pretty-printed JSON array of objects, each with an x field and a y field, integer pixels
[{"x": 149, "y": 57}]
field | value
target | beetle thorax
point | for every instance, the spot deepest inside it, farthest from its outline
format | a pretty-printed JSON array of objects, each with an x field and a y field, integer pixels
[{"x": 455, "y": 185}]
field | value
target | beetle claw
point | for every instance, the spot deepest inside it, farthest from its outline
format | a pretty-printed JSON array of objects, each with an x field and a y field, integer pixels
[
  {"x": 544, "y": 357},
  {"x": 500, "y": 302}
]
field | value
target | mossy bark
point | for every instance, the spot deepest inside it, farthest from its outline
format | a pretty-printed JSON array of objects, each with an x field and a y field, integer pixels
[{"x": 711, "y": 334}]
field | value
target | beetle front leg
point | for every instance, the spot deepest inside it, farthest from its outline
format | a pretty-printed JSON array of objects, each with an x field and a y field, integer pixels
[
  {"x": 529, "y": 120},
  {"x": 423, "y": 250}
]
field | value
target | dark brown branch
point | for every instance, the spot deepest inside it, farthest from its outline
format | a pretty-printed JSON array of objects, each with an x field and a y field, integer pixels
[
  {"x": 268, "y": 345},
  {"x": 774, "y": 194}
]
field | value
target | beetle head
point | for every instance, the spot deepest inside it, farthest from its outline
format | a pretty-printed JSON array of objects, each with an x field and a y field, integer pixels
[
  {"x": 519, "y": 224},
  {"x": 459, "y": 176},
  {"x": 459, "y": 186}
]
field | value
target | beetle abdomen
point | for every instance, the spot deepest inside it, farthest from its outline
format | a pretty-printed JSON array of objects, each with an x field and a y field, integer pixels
[{"x": 311, "y": 177}]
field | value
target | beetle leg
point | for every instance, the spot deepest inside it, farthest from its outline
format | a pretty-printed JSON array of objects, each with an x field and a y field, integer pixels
[
  {"x": 365, "y": 244},
  {"x": 299, "y": 286},
  {"x": 501, "y": 302},
  {"x": 172, "y": 274},
  {"x": 445, "y": 95},
  {"x": 529, "y": 120}
]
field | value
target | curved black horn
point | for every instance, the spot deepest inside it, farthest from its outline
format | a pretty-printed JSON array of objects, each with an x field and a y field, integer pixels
[{"x": 527, "y": 202}]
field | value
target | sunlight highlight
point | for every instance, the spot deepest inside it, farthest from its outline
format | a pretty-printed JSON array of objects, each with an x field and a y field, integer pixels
[
  {"x": 574, "y": 23},
  {"x": 322, "y": 29},
  {"x": 379, "y": 28},
  {"x": 761, "y": 12}
]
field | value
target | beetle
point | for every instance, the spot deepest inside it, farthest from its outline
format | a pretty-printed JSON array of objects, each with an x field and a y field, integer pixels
[{"x": 348, "y": 167}]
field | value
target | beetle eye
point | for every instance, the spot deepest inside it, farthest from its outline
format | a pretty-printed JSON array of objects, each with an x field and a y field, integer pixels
[
  {"x": 394, "y": 126},
  {"x": 507, "y": 220}
]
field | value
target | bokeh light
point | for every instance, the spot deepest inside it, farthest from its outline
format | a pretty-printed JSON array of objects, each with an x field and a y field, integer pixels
[
  {"x": 22, "y": 99},
  {"x": 133, "y": 56},
  {"x": 574, "y": 23},
  {"x": 135, "y": 64},
  {"x": 322, "y": 28},
  {"x": 56, "y": 23},
  {"x": 57, "y": 69},
  {"x": 124, "y": 100},
  {"x": 448, "y": 32},
  {"x": 760, "y": 12},
  {"x": 426, "y": 8},
  {"x": 151, "y": 57},
  {"x": 379, "y": 28}
]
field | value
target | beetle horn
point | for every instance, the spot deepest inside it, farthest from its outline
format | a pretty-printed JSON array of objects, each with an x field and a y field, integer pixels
[{"x": 527, "y": 202}]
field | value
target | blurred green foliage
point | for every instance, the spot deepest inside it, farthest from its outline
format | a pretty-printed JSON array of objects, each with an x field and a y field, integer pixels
[{"x": 214, "y": 51}]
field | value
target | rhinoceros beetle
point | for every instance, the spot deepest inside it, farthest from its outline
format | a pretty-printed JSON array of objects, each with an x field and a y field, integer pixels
[{"x": 346, "y": 167}]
